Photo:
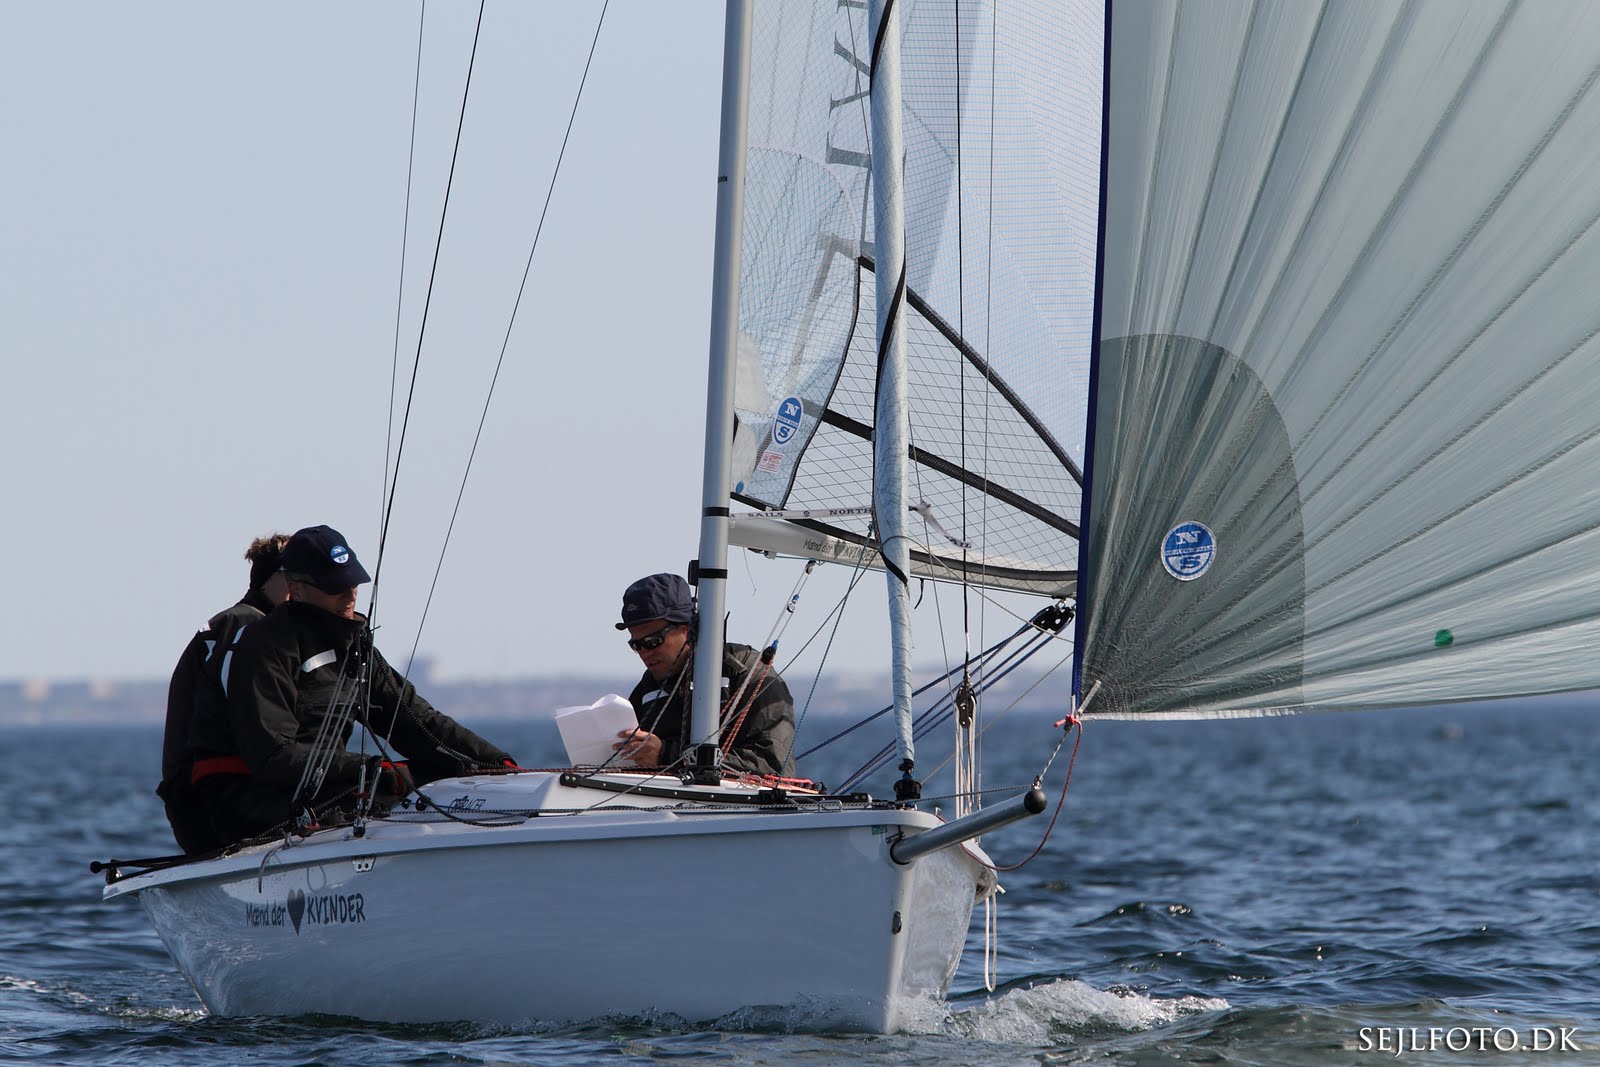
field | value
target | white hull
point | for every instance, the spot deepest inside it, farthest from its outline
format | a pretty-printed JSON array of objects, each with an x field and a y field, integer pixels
[{"x": 684, "y": 910}]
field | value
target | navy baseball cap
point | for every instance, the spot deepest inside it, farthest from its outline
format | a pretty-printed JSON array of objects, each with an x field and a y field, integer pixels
[
  {"x": 660, "y": 596},
  {"x": 321, "y": 554}
]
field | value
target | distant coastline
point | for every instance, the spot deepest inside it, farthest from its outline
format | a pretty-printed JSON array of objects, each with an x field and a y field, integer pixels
[
  {"x": 844, "y": 696},
  {"x": 96, "y": 702}
]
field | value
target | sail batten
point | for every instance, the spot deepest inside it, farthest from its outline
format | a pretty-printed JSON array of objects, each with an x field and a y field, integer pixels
[{"x": 1000, "y": 172}]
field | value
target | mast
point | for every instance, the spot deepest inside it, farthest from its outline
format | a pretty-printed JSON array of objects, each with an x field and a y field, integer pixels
[
  {"x": 713, "y": 560},
  {"x": 890, "y": 433}
]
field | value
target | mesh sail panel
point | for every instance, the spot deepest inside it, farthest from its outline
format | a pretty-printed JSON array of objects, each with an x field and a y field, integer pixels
[
  {"x": 1003, "y": 486},
  {"x": 1002, "y": 165},
  {"x": 1348, "y": 411}
]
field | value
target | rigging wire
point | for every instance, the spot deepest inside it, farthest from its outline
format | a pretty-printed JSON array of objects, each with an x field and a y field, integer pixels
[
  {"x": 330, "y": 737},
  {"x": 1060, "y": 801},
  {"x": 939, "y": 713},
  {"x": 399, "y": 306},
  {"x": 1020, "y": 697},
  {"x": 341, "y": 706},
  {"x": 405, "y": 240},
  {"x": 786, "y": 616},
  {"x": 422, "y": 329},
  {"x": 853, "y": 727},
  {"x": 857, "y": 572},
  {"x": 505, "y": 342}
]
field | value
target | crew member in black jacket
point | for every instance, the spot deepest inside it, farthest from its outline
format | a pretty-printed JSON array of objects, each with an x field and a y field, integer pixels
[
  {"x": 303, "y": 664},
  {"x": 659, "y": 614},
  {"x": 195, "y": 693}
]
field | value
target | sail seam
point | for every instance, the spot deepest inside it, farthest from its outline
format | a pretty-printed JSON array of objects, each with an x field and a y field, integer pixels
[
  {"x": 1477, "y": 228},
  {"x": 1381, "y": 230},
  {"x": 1341, "y": 153},
  {"x": 1206, "y": 201},
  {"x": 1295, "y": 96}
]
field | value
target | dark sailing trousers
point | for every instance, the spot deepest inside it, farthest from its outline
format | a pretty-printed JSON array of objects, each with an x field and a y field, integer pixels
[{"x": 188, "y": 817}]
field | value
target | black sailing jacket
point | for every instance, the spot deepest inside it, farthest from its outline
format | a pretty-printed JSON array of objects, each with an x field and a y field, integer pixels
[
  {"x": 196, "y": 707},
  {"x": 765, "y": 741},
  {"x": 285, "y": 675}
]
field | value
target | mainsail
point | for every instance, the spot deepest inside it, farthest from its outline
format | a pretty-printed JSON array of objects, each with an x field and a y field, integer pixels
[
  {"x": 1001, "y": 170},
  {"x": 1348, "y": 408}
]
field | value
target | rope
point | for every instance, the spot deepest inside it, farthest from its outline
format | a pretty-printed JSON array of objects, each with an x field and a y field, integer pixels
[
  {"x": 733, "y": 731},
  {"x": 1070, "y": 721}
]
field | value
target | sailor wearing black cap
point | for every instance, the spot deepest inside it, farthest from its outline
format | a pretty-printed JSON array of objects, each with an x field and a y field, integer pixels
[
  {"x": 658, "y": 612},
  {"x": 302, "y": 664}
]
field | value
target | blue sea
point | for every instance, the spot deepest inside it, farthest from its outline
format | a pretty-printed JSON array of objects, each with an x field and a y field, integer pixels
[{"x": 1361, "y": 888}]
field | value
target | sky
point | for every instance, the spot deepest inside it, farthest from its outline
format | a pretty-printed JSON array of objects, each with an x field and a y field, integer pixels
[{"x": 211, "y": 265}]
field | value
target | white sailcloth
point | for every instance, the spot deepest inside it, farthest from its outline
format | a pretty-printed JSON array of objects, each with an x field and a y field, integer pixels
[{"x": 1347, "y": 326}]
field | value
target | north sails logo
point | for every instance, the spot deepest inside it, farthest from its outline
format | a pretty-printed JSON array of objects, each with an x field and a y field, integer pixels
[{"x": 1188, "y": 550}]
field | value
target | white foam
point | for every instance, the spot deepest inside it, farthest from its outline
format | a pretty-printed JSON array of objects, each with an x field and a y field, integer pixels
[
  {"x": 26, "y": 985},
  {"x": 809, "y": 1014},
  {"x": 1035, "y": 1015}
]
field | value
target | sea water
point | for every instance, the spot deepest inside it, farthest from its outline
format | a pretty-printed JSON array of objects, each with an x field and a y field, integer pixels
[{"x": 1416, "y": 886}]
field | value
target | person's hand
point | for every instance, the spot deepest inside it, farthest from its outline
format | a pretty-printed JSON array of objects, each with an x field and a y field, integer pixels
[
  {"x": 640, "y": 746},
  {"x": 396, "y": 779}
]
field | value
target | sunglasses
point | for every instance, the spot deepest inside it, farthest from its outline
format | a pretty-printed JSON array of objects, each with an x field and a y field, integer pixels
[
  {"x": 306, "y": 579},
  {"x": 649, "y": 641}
]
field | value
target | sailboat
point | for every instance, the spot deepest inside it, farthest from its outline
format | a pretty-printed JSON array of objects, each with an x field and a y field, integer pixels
[
  {"x": 517, "y": 889},
  {"x": 1283, "y": 307}
]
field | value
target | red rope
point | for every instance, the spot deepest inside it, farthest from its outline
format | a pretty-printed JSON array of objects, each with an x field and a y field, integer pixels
[
  {"x": 1069, "y": 722},
  {"x": 755, "y": 688},
  {"x": 751, "y": 778},
  {"x": 746, "y": 777}
]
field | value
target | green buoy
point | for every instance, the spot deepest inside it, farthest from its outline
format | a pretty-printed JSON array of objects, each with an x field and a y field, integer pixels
[{"x": 1443, "y": 639}]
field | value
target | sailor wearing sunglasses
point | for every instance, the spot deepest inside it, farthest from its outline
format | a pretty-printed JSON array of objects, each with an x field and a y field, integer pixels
[{"x": 658, "y": 612}]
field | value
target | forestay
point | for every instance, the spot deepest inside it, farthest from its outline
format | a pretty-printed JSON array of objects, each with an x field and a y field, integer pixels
[
  {"x": 1348, "y": 328},
  {"x": 1002, "y": 167}
]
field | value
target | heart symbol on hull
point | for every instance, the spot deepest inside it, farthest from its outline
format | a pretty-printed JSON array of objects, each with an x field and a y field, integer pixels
[{"x": 297, "y": 907}]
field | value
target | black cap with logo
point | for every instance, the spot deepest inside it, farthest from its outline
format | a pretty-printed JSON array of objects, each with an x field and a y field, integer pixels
[{"x": 322, "y": 556}]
